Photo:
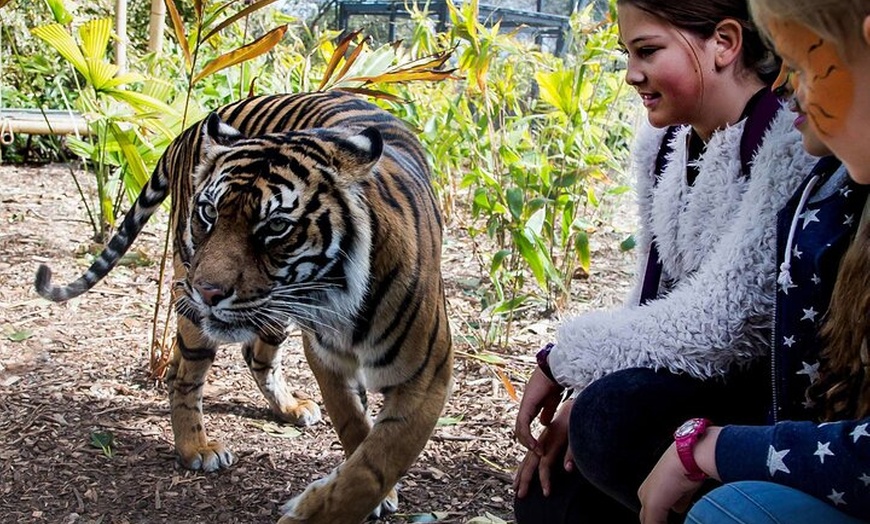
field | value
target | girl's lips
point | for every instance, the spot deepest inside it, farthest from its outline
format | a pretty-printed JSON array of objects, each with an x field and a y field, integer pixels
[
  {"x": 800, "y": 120},
  {"x": 649, "y": 99}
]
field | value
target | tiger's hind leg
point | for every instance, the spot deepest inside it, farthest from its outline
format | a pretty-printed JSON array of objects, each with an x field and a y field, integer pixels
[
  {"x": 191, "y": 359},
  {"x": 264, "y": 361},
  {"x": 358, "y": 487}
]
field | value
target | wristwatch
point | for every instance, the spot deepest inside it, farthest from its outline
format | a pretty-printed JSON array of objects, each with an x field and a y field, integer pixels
[{"x": 685, "y": 437}]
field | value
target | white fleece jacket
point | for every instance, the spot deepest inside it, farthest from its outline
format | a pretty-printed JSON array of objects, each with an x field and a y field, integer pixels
[{"x": 716, "y": 240}]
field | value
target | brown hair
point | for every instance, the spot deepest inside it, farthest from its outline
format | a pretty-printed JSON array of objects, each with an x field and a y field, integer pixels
[
  {"x": 844, "y": 388},
  {"x": 701, "y": 18}
]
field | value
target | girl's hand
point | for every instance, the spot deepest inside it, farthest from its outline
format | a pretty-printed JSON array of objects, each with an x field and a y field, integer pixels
[
  {"x": 666, "y": 488},
  {"x": 541, "y": 395},
  {"x": 553, "y": 443}
]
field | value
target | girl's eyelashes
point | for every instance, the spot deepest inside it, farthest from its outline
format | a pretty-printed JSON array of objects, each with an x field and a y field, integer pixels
[{"x": 641, "y": 52}]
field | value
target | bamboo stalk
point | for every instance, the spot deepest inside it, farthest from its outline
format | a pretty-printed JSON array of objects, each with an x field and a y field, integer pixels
[{"x": 33, "y": 122}]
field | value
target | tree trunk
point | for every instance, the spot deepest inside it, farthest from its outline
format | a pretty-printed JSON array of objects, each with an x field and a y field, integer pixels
[
  {"x": 121, "y": 30},
  {"x": 156, "y": 26}
]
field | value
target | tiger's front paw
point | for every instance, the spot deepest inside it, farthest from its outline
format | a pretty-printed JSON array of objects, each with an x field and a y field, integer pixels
[
  {"x": 305, "y": 413},
  {"x": 387, "y": 506},
  {"x": 312, "y": 506},
  {"x": 306, "y": 505},
  {"x": 210, "y": 457}
]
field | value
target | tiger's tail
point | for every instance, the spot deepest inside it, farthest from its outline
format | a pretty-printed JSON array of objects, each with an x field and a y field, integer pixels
[{"x": 152, "y": 195}]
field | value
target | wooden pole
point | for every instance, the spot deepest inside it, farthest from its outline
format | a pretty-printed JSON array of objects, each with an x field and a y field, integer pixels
[{"x": 36, "y": 122}]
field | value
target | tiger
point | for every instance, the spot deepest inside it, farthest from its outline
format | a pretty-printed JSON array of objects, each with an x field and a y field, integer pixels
[{"x": 313, "y": 210}]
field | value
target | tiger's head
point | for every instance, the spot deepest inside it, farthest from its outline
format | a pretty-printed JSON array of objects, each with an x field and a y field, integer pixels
[{"x": 277, "y": 231}]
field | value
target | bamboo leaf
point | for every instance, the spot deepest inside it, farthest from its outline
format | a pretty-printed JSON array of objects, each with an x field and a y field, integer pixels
[
  {"x": 58, "y": 38},
  {"x": 581, "y": 246},
  {"x": 180, "y": 35},
  {"x": 278, "y": 430},
  {"x": 448, "y": 421},
  {"x": 508, "y": 385},
  {"x": 336, "y": 57},
  {"x": 515, "y": 199},
  {"x": 532, "y": 255},
  {"x": 407, "y": 76},
  {"x": 136, "y": 175},
  {"x": 506, "y": 306},
  {"x": 209, "y": 18},
  {"x": 19, "y": 336},
  {"x": 432, "y": 61},
  {"x": 247, "y": 52},
  {"x": 374, "y": 94},
  {"x": 498, "y": 260},
  {"x": 58, "y": 11},
  {"x": 349, "y": 61},
  {"x": 535, "y": 223},
  {"x": 489, "y": 358},
  {"x": 376, "y": 63},
  {"x": 256, "y": 6}
]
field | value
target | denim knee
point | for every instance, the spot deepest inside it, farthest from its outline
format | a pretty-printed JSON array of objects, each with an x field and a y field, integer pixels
[{"x": 757, "y": 502}]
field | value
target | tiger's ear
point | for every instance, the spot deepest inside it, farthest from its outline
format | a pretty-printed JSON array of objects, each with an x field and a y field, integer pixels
[
  {"x": 217, "y": 135},
  {"x": 357, "y": 154}
]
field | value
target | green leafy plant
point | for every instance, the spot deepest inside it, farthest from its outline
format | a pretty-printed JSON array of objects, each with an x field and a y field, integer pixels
[
  {"x": 531, "y": 141},
  {"x": 103, "y": 440}
]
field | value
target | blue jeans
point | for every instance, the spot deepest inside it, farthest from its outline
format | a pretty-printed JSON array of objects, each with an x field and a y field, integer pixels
[{"x": 756, "y": 502}]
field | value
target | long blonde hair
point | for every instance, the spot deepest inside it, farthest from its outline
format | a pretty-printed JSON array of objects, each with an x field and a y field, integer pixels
[{"x": 844, "y": 388}]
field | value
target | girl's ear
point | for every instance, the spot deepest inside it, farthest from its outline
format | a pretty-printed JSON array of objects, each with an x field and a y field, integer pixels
[
  {"x": 728, "y": 39},
  {"x": 865, "y": 30}
]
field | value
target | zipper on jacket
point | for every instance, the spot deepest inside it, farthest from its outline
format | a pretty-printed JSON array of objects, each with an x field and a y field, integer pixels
[{"x": 773, "y": 376}]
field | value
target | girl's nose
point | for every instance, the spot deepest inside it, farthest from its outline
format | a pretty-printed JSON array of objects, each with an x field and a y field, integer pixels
[{"x": 633, "y": 75}]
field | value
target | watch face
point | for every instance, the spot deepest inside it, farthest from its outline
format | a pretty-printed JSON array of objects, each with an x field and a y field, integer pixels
[{"x": 687, "y": 428}]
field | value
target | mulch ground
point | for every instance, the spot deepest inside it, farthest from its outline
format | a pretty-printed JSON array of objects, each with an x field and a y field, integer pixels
[{"x": 77, "y": 375}]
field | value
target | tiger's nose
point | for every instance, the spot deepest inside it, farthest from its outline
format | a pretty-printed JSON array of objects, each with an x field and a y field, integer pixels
[{"x": 211, "y": 294}]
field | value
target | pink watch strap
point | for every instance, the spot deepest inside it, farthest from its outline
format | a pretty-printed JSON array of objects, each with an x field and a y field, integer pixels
[{"x": 685, "y": 438}]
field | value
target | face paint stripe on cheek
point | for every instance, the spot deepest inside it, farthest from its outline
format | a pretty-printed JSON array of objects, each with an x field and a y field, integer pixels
[{"x": 824, "y": 74}]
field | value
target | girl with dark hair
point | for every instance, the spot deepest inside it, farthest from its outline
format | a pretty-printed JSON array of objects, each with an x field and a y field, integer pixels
[
  {"x": 796, "y": 470},
  {"x": 720, "y": 157}
]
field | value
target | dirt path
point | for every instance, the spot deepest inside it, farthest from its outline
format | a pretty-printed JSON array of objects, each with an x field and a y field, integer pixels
[{"x": 73, "y": 373}]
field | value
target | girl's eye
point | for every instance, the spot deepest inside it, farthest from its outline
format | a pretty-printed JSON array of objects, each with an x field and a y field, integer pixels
[{"x": 645, "y": 52}]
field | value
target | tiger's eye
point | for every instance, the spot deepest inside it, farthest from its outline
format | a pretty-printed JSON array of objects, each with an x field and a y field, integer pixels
[
  {"x": 278, "y": 225},
  {"x": 209, "y": 211}
]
